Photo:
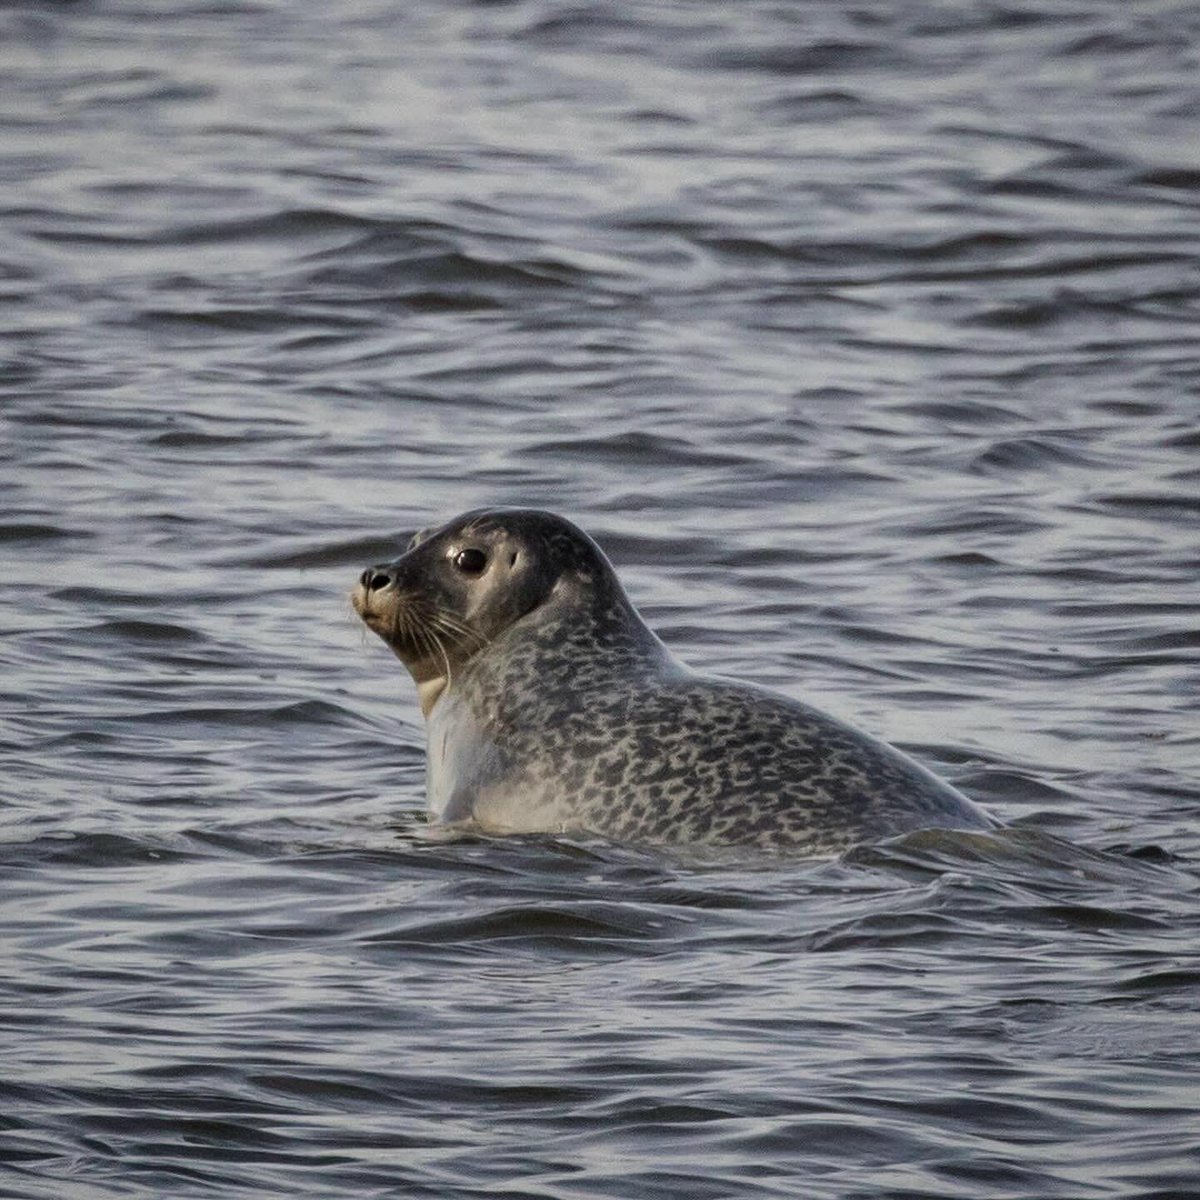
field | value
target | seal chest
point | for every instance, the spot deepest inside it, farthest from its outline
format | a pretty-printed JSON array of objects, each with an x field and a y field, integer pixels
[{"x": 550, "y": 706}]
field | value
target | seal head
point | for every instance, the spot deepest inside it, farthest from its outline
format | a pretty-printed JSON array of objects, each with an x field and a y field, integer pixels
[
  {"x": 551, "y": 706},
  {"x": 459, "y": 588}
]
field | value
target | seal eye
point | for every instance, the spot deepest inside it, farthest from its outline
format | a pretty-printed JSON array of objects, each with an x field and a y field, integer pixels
[{"x": 470, "y": 561}]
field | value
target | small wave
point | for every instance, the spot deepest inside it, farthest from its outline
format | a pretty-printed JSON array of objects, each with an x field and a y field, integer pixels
[
  {"x": 818, "y": 58},
  {"x": 632, "y": 448},
  {"x": 150, "y": 632},
  {"x": 35, "y": 533},
  {"x": 346, "y": 552},
  {"x": 536, "y": 927}
]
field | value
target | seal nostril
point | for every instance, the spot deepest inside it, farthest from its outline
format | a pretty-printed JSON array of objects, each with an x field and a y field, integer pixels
[{"x": 373, "y": 580}]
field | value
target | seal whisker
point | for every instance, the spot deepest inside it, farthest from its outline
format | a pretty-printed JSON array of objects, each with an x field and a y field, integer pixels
[
  {"x": 420, "y": 634},
  {"x": 445, "y": 657},
  {"x": 423, "y": 633},
  {"x": 458, "y": 632}
]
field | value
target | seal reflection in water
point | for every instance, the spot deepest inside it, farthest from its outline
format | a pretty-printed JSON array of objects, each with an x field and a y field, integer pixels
[{"x": 551, "y": 707}]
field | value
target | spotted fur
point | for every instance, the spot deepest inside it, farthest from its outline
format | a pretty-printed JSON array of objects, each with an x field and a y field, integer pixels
[{"x": 567, "y": 713}]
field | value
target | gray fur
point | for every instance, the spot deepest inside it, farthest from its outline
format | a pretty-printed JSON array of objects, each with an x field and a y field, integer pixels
[{"x": 562, "y": 711}]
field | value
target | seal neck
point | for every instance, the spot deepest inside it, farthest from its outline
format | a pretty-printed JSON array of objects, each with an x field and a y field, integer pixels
[
  {"x": 593, "y": 636},
  {"x": 429, "y": 692},
  {"x": 580, "y": 636}
]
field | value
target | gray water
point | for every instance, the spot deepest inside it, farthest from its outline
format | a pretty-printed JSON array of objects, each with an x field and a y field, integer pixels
[{"x": 864, "y": 339}]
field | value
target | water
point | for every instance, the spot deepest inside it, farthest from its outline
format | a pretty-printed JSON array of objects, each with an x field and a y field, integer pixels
[{"x": 862, "y": 337}]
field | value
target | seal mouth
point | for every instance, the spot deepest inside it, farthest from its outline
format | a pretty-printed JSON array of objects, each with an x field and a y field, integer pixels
[
  {"x": 369, "y": 612},
  {"x": 418, "y": 632}
]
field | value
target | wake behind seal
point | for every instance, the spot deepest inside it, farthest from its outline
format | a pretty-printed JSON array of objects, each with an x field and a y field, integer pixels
[{"x": 552, "y": 707}]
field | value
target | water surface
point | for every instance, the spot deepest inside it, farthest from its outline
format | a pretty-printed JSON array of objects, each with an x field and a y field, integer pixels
[{"x": 862, "y": 337}]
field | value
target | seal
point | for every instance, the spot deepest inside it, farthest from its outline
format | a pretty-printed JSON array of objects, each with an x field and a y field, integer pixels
[{"x": 552, "y": 707}]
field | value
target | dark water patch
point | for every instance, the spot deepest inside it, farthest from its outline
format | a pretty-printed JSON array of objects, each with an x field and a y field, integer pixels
[
  {"x": 989, "y": 523},
  {"x": 1161, "y": 983},
  {"x": 223, "y": 318},
  {"x": 1109, "y": 41},
  {"x": 101, "y": 598},
  {"x": 90, "y": 850},
  {"x": 195, "y": 440},
  {"x": 349, "y": 553},
  {"x": 878, "y": 930},
  {"x": 36, "y": 533},
  {"x": 1144, "y": 853},
  {"x": 71, "y": 413},
  {"x": 970, "y": 560},
  {"x": 1181, "y": 178},
  {"x": 1001, "y": 785},
  {"x": 818, "y": 104},
  {"x": 430, "y": 301},
  {"x": 158, "y": 633},
  {"x": 985, "y": 245},
  {"x": 1029, "y": 454},
  {"x": 1140, "y": 610},
  {"x": 533, "y": 930},
  {"x": 950, "y": 414},
  {"x": 1169, "y": 504},
  {"x": 1152, "y": 647},
  {"x": 237, "y": 714},
  {"x": 632, "y": 447},
  {"x": 1092, "y": 919},
  {"x": 197, "y": 316},
  {"x": 258, "y": 839},
  {"x": 282, "y": 224},
  {"x": 835, "y": 57},
  {"x": 434, "y": 263},
  {"x": 974, "y": 259},
  {"x": 1012, "y": 854},
  {"x": 600, "y": 27}
]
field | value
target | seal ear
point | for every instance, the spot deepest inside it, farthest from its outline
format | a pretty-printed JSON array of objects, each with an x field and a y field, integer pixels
[{"x": 417, "y": 538}]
